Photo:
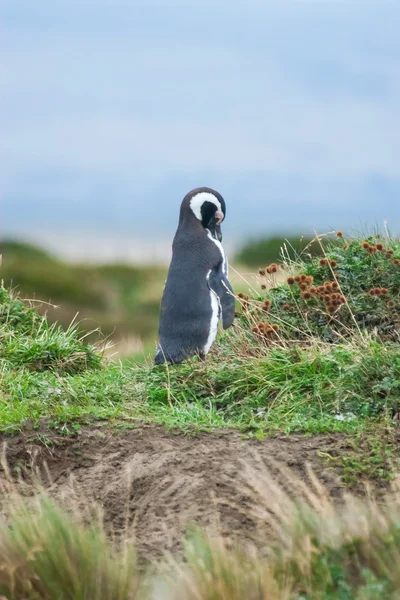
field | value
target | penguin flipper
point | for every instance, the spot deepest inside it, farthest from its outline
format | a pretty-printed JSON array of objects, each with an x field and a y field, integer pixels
[{"x": 219, "y": 284}]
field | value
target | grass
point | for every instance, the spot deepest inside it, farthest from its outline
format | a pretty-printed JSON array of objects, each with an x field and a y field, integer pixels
[
  {"x": 370, "y": 456},
  {"x": 309, "y": 548},
  {"x": 30, "y": 343},
  {"x": 316, "y": 368},
  {"x": 316, "y": 550},
  {"x": 303, "y": 390},
  {"x": 295, "y": 361},
  {"x": 122, "y": 300},
  {"x": 259, "y": 251},
  {"x": 349, "y": 290},
  {"x": 47, "y": 554}
]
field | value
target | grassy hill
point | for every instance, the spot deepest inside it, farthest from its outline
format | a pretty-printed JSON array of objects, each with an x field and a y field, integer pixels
[
  {"x": 302, "y": 353},
  {"x": 120, "y": 300},
  {"x": 117, "y": 302},
  {"x": 314, "y": 350}
]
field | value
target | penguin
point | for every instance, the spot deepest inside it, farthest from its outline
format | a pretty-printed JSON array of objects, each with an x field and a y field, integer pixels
[{"x": 197, "y": 292}]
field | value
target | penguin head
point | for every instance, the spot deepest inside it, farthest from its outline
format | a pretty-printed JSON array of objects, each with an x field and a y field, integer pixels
[{"x": 208, "y": 207}]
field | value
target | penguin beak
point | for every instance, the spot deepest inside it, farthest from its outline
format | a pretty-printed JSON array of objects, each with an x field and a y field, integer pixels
[
  {"x": 220, "y": 217},
  {"x": 214, "y": 227}
]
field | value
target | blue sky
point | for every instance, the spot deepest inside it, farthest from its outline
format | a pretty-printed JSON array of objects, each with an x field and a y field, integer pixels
[{"x": 111, "y": 110}]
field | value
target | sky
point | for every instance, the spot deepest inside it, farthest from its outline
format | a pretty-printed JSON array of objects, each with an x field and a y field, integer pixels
[{"x": 112, "y": 110}]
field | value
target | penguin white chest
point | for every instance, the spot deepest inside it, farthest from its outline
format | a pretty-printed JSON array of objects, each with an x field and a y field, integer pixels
[
  {"x": 215, "y": 315},
  {"x": 222, "y": 252}
]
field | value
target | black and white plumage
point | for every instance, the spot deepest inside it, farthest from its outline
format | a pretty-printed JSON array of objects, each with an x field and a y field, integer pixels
[{"x": 197, "y": 291}]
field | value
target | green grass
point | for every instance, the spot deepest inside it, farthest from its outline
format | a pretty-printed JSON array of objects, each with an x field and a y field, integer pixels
[
  {"x": 300, "y": 380},
  {"x": 317, "y": 372},
  {"x": 122, "y": 300},
  {"x": 371, "y": 455},
  {"x": 286, "y": 390},
  {"x": 29, "y": 343}
]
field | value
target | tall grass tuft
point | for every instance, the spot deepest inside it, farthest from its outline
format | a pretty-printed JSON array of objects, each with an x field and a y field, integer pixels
[
  {"x": 29, "y": 341},
  {"x": 48, "y": 554},
  {"x": 308, "y": 548},
  {"x": 314, "y": 549}
]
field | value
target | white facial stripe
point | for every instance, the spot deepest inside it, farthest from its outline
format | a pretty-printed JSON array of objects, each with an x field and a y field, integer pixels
[{"x": 198, "y": 200}]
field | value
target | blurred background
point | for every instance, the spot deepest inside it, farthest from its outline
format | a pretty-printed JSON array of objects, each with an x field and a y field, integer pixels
[{"x": 112, "y": 110}]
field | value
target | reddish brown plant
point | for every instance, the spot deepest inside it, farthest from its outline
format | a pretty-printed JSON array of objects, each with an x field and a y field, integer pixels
[
  {"x": 266, "y": 305},
  {"x": 305, "y": 295}
]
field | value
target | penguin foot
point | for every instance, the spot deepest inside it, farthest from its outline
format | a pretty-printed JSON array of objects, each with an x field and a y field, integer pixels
[{"x": 159, "y": 360}]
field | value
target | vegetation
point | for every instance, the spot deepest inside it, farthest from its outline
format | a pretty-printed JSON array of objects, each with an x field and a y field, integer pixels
[
  {"x": 302, "y": 356},
  {"x": 306, "y": 356},
  {"x": 288, "y": 388},
  {"x": 29, "y": 342},
  {"x": 314, "y": 349},
  {"x": 258, "y": 252},
  {"x": 354, "y": 288},
  {"x": 312, "y": 549},
  {"x": 46, "y": 554},
  {"x": 120, "y": 300}
]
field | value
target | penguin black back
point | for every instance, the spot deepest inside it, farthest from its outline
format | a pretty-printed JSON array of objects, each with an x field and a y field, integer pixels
[{"x": 197, "y": 290}]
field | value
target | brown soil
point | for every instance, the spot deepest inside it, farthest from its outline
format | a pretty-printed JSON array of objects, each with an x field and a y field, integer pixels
[{"x": 159, "y": 481}]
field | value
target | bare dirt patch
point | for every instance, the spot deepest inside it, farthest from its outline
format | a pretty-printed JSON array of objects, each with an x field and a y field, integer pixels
[{"x": 158, "y": 482}]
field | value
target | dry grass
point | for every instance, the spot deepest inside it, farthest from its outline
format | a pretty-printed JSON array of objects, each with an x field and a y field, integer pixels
[
  {"x": 312, "y": 548},
  {"x": 47, "y": 552}
]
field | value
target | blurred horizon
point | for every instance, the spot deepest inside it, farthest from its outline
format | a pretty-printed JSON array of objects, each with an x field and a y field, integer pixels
[
  {"x": 81, "y": 248},
  {"x": 112, "y": 111}
]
